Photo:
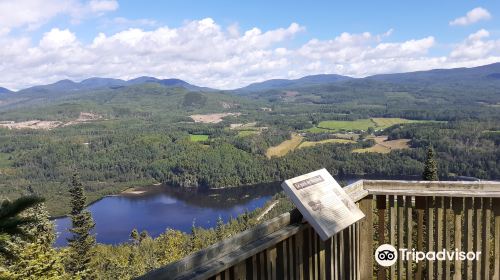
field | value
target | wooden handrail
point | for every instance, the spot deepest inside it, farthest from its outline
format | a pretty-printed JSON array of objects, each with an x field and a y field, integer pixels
[
  {"x": 231, "y": 253},
  {"x": 433, "y": 188}
]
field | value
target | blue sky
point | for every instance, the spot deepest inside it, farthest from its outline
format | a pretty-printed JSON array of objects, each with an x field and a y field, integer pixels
[{"x": 215, "y": 43}]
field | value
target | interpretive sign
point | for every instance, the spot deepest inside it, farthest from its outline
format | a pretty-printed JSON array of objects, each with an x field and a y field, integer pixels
[{"x": 322, "y": 202}]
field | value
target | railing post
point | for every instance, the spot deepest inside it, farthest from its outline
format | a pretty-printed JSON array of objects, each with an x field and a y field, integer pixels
[
  {"x": 420, "y": 206},
  {"x": 458, "y": 207},
  {"x": 366, "y": 239},
  {"x": 496, "y": 211},
  {"x": 381, "y": 205}
]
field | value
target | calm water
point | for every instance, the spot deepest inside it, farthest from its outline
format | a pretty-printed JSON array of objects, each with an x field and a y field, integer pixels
[{"x": 167, "y": 207}]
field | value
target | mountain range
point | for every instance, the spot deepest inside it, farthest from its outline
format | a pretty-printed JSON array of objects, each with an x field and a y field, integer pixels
[
  {"x": 480, "y": 85},
  {"x": 486, "y": 73}
]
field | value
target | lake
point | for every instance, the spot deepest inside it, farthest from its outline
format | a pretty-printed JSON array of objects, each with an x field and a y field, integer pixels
[{"x": 162, "y": 207}]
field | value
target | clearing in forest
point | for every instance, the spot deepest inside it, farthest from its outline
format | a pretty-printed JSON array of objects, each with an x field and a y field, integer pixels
[
  {"x": 383, "y": 146},
  {"x": 284, "y": 147},
  {"x": 306, "y": 144},
  {"x": 360, "y": 124},
  {"x": 212, "y": 118}
]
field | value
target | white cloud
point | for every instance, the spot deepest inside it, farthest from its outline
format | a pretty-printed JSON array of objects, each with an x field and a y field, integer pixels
[
  {"x": 56, "y": 39},
  {"x": 474, "y": 15},
  {"x": 476, "y": 46},
  {"x": 206, "y": 54},
  {"x": 99, "y": 6},
  {"x": 31, "y": 14}
]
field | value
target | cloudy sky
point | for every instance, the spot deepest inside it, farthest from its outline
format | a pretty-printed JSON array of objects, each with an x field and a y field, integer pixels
[{"x": 228, "y": 44}]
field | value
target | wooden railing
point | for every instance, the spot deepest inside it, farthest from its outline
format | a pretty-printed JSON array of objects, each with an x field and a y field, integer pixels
[{"x": 426, "y": 216}]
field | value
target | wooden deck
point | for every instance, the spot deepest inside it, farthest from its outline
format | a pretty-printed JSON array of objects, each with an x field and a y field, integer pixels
[{"x": 427, "y": 216}]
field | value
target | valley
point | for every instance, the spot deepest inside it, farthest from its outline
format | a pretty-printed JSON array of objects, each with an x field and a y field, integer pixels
[{"x": 141, "y": 133}]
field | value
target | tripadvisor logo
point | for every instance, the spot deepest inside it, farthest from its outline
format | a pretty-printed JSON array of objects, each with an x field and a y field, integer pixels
[{"x": 387, "y": 255}]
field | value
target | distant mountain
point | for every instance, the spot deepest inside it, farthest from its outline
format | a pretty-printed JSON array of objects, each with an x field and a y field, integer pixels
[
  {"x": 67, "y": 86},
  {"x": 4, "y": 90},
  {"x": 302, "y": 82},
  {"x": 165, "y": 82},
  {"x": 485, "y": 74}
]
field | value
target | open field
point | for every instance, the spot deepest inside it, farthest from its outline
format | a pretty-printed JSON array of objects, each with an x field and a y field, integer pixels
[
  {"x": 361, "y": 124},
  {"x": 212, "y": 118},
  {"x": 382, "y": 123},
  {"x": 198, "y": 137},
  {"x": 306, "y": 144},
  {"x": 284, "y": 147},
  {"x": 383, "y": 146}
]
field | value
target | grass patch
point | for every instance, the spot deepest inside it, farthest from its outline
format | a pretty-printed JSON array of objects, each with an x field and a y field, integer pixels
[
  {"x": 4, "y": 160},
  {"x": 284, "y": 147},
  {"x": 244, "y": 133},
  {"x": 198, "y": 137},
  {"x": 361, "y": 124},
  {"x": 306, "y": 144}
]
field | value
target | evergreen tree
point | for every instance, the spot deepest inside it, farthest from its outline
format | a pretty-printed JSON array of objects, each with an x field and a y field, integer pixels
[
  {"x": 12, "y": 222},
  {"x": 219, "y": 229},
  {"x": 82, "y": 241},
  {"x": 430, "y": 169},
  {"x": 38, "y": 259},
  {"x": 144, "y": 234},
  {"x": 134, "y": 235}
]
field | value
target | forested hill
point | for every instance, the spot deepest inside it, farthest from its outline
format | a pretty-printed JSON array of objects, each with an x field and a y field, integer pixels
[{"x": 152, "y": 130}]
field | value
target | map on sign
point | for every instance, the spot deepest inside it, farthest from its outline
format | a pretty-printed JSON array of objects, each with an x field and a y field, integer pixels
[{"x": 322, "y": 202}]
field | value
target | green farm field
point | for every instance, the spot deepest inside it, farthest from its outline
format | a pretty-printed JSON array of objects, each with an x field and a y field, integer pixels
[{"x": 198, "y": 137}]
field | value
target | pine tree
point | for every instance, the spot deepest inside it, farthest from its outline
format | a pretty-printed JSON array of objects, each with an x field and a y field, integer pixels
[
  {"x": 430, "y": 169},
  {"x": 82, "y": 241},
  {"x": 13, "y": 223},
  {"x": 37, "y": 259},
  {"x": 134, "y": 236},
  {"x": 219, "y": 229}
]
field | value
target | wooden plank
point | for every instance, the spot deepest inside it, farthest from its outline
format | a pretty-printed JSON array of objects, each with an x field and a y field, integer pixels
[
  {"x": 468, "y": 234},
  {"x": 409, "y": 235},
  {"x": 240, "y": 271},
  {"x": 299, "y": 255},
  {"x": 392, "y": 225},
  {"x": 420, "y": 205},
  {"x": 315, "y": 254},
  {"x": 381, "y": 206},
  {"x": 438, "y": 233},
  {"x": 342, "y": 272},
  {"x": 447, "y": 218},
  {"x": 366, "y": 238},
  {"x": 254, "y": 267},
  {"x": 430, "y": 235},
  {"x": 476, "y": 265},
  {"x": 485, "y": 246},
  {"x": 281, "y": 265},
  {"x": 328, "y": 259},
  {"x": 458, "y": 207},
  {"x": 400, "y": 232},
  {"x": 496, "y": 250},
  {"x": 322, "y": 261}
]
